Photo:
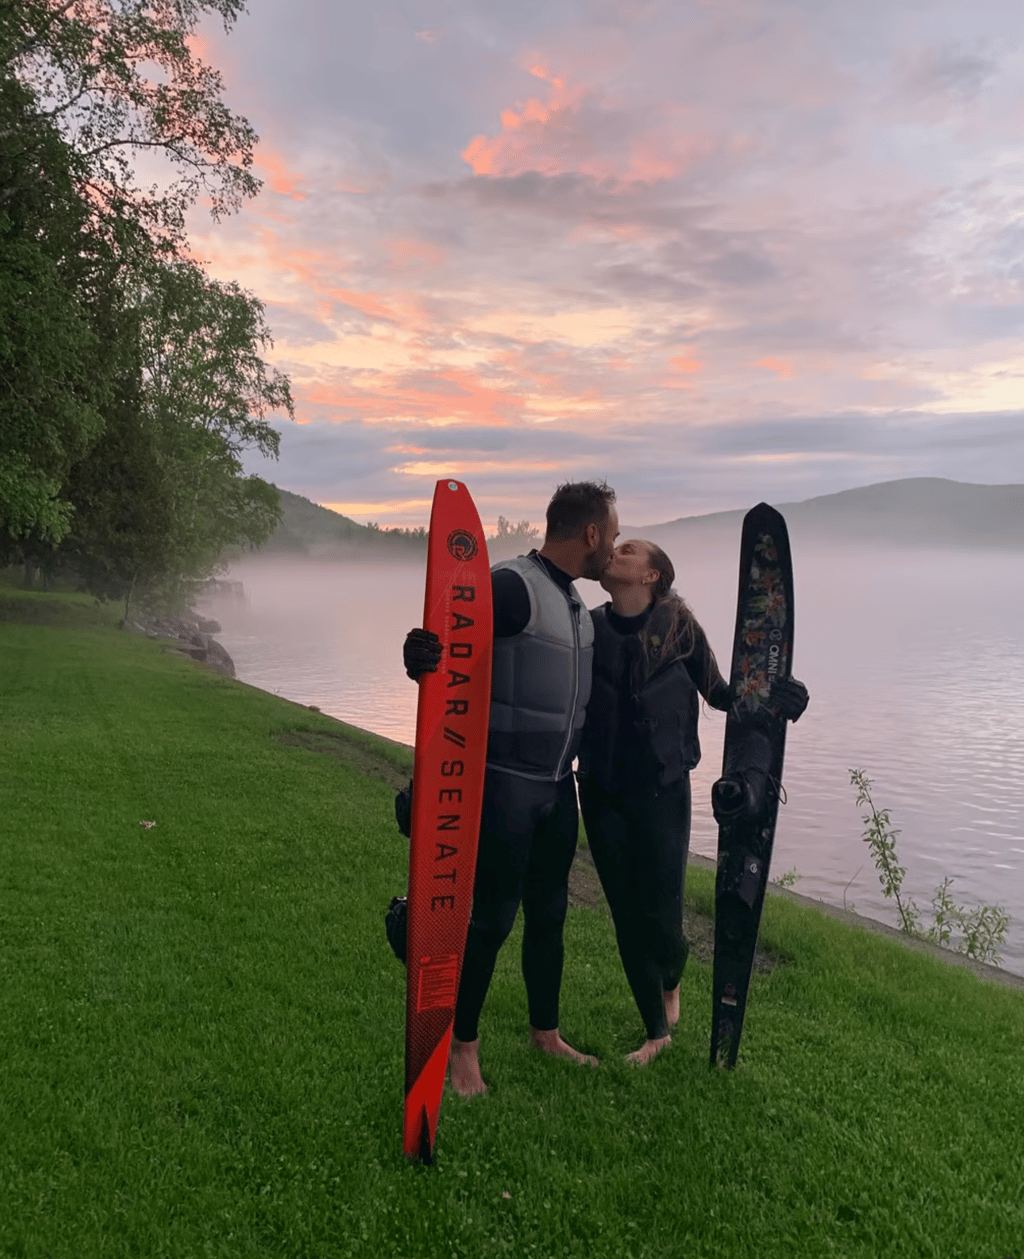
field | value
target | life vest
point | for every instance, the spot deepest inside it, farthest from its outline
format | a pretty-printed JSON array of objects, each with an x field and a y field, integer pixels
[
  {"x": 540, "y": 680},
  {"x": 665, "y": 708}
]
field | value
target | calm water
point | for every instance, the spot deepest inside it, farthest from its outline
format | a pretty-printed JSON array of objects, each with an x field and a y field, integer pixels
[{"x": 914, "y": 662}]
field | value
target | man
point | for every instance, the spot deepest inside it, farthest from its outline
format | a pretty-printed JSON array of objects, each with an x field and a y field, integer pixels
[{"x": 543, "y": 639}]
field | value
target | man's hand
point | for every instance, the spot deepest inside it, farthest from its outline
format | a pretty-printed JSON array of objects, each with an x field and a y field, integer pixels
[
  {"x": 421, "y": 653},
  {"x": 790, "y": 698},
  {"x": 396, "y": 925}
]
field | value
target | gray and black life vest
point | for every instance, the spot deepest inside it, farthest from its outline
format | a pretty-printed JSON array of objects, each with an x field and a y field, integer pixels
[{"x": 540, "y": 681}]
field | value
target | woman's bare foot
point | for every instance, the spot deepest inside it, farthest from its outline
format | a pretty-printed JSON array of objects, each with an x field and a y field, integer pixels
[
  {"x": 648, "y": 1050},
  {"x": 671, "y": 1000},
  {"x": 552, "y": 1043},
  {"x": 464, "y": 1068}
]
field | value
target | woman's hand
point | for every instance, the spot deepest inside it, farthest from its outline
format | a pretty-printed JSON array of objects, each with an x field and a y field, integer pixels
[{"x": 790, "y": 698}]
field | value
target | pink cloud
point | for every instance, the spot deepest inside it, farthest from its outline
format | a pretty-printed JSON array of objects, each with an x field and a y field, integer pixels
[
  {"x": 571, "y": 130},
  {"x": 781, "y": 369},
  {"x": 734, "y": 181},
  {"x": 451, "y": 396},
  {"x": 281, "y": 180},
  {"x": 408, "y": 253},
  {"x": 312, "y": 268}
]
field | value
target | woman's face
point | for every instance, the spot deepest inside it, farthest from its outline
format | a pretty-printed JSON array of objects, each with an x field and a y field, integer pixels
[{"x": 630, "y": 565}]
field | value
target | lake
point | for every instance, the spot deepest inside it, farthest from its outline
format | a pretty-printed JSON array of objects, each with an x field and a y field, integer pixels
[{"x": 914, "y": 662}]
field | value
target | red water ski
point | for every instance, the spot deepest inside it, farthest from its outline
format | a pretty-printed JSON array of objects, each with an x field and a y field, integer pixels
[{"x": 448, "y": 784}]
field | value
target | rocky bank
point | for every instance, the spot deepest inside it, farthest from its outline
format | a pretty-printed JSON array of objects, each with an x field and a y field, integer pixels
[{"x": 183, "y": 634}]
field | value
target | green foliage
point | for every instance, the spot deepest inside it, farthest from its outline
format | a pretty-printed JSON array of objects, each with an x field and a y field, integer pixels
[
  {"x": 200, "y": 344},
  {"x": 130, "y": 382},
  {"x": 49, "y": 386},
  {"x": 30, "y": 500},
  {"x": 204, "y": 394},
  {"x": 510, "y": 540},
  {"x": 121, "y": 77},
  {"x": 45, "y": 334},
  {"x": 788, "y": 878},
  {"x": 981, "y": 930},
  {"x": 124, "y": 520},
  {"x": 880, "y": 836},
  {"x": 306, "y": 528},
  {"x": 417, "y": 536}
]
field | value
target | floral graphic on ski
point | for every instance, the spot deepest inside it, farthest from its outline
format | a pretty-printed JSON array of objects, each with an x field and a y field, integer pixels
[{"x": 764, "y": 611}]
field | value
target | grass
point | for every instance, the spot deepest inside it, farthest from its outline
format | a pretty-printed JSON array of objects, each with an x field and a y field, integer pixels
[{"x": 201, "y": 1022}]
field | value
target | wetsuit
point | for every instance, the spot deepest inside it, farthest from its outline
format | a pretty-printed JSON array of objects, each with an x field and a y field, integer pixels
[
  {"x": 639, "y": 745},
  {"x": 529, "y": 823}
]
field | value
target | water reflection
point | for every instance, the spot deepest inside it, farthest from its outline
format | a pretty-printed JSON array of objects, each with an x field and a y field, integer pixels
[{"x": 911, "y": 660}]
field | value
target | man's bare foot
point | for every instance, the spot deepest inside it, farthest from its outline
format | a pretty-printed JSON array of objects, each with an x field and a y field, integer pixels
[
  {"x": 648, "y": 1050},
  {"x": 552, "y": 1043},
  {"x": 464, "y": 1068},
  {"x": 671, "y": 1000}
]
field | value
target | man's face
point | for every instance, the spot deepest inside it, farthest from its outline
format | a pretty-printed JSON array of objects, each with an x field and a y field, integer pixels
[{"x": 599, "y": 559}]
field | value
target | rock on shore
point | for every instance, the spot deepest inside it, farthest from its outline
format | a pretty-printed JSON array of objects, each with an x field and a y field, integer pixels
[{"x": 189, "y": 635}]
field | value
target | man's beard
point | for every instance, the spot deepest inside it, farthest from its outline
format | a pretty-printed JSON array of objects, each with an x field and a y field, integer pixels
[{"x": 593, "y": 568}]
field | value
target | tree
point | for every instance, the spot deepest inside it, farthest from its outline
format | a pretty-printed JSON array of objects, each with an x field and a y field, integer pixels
[
  {"x": 123, "y": 507},
  {"x": 162, "y": 494},
  {"x": 130, "y": 383},
  {"x": 512, "y": 539},
  {"x": 50, "y": 390},
  {"x": 200, "y": 343},
  {"x": 117, "y": 78}
]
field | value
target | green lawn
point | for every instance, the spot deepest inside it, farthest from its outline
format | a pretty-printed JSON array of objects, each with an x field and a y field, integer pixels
[{"x": 201, "y": 1023}]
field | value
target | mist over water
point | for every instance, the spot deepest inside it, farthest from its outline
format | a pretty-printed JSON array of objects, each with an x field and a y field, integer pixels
[
  {"x": 328, "y": 634},
  {"x": 913, "y": 661}
]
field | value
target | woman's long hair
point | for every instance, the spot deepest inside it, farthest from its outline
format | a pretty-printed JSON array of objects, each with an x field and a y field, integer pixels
[{"x": 680, "y": 632}]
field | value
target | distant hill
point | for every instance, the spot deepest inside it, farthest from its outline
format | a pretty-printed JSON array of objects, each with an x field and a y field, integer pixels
[
  {"x": 916, "y": 512},
  {"x": 316, "y": 532}
]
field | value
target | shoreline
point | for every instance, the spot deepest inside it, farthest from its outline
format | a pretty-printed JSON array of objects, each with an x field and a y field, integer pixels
[{"x": 982, "y": 970}]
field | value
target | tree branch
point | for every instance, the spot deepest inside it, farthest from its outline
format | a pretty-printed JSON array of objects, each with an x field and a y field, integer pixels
[{"x": 36, "y": 40}]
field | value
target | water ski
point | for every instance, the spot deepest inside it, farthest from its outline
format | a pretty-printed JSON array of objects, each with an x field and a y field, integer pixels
[
  {"x": 745, "y": 800},
  {"x": 448, "y": 777}
]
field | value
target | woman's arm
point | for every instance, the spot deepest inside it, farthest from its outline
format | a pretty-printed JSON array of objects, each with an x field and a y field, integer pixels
[
  {"x": 790, "y": 696},
  {"x": 703, "y": 670}
]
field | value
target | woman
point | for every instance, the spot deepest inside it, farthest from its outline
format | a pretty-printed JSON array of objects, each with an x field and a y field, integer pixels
[{"x": 652, "y": 662}]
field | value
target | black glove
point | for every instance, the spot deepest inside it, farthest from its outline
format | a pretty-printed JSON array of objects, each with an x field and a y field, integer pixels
[
  {"x": 421, "y": 653},
  {"x": 789, "y": 698},
  {"x": 396, "y": 925},
  {"x": 403, "y": 810}
]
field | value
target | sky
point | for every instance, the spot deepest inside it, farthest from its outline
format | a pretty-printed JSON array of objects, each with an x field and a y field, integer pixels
[{"x": 713, "y": 251}]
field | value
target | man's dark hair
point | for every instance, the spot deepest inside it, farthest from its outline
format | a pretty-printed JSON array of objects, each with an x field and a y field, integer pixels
[{"x": 577, "y": 504}]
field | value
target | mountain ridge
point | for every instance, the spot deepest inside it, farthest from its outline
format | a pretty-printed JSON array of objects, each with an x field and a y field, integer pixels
[{"x": 910, "y": 511}]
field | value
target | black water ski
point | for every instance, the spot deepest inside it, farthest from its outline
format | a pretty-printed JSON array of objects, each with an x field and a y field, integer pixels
[{"x": 745, "y": 799}]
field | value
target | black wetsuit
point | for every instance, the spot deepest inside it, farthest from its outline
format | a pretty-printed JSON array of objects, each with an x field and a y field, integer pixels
[
  {"x": 635, "y": 764},
  {"x": 528, "y": 833}
]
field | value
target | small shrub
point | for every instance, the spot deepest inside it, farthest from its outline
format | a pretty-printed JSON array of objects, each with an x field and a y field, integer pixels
[
  {"x": 788, "y": 878},
  {"x": 980, "y": 930}
]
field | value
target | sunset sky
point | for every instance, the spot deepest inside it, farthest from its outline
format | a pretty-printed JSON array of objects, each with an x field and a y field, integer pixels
[{"x": 714, "y": 251}]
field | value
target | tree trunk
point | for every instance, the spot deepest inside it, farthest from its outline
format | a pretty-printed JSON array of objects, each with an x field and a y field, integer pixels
[{"x": 128, "y": 595}]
